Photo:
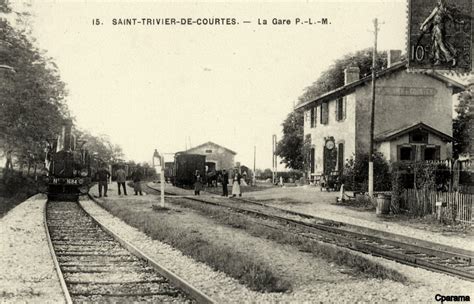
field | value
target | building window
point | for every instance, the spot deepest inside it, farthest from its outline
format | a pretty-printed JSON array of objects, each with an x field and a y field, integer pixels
[
  {"x": 340, "y": 109},
  {"x": 406, "y": 153},
  {"x": 324, "y": 112},
  {"x": 419, "y": 137},
  {"x": 313, "y": 117},
  {"x": 431, "y": 153},
  {"x": 208, "y": 151},
  {"x": 340, "y": 157}
]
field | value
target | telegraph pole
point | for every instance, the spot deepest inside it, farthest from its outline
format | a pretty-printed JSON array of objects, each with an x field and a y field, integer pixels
[
  {"x": 254, "y": 157},
  {"x": 372, "y": 113}
]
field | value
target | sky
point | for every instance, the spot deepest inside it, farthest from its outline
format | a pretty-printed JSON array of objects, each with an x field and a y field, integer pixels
[{"x": 169, "y": 87}]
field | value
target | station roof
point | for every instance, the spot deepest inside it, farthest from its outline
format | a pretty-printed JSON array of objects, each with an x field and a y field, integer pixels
[
  {"x": 210, "y": 143},
  {"x": 351, "y": 87},
  {"x": 392, "y": 134}
]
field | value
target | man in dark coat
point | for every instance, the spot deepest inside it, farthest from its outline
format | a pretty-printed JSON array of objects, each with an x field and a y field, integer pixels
[
  {"x": 121, "y": 179},
  {"x": 137, "y": 178},
  {"x": 225, "y": 181},
  {"x": 103, "y": 177}
]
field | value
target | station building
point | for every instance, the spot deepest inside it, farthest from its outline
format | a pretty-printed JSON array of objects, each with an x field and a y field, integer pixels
[
  {"x": 217, "y": 157},
  {"x": 413, "y": 117}
]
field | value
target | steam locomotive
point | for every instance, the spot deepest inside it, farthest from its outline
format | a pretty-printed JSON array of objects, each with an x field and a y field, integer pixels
[{"x": 69, "y": 167}]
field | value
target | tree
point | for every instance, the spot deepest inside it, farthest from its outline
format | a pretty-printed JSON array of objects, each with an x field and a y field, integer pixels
[
  {"x": 33, "y": 105},
  {"x": 290, "y": 147},
  {"x": 267, "y": 173},
  {"x": 462, "y": 124},
  {"x": 32, "y": 98},
  {"x": 333, "y": 77},
  {"x": 101, "y": 146}
]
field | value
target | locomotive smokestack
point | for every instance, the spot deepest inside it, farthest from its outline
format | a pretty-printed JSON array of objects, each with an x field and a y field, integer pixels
[{"x": 67, "y": 135}]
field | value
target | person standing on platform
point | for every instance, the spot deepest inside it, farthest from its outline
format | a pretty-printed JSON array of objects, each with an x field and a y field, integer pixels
[
  {"x": 225, "y": 181},
  {"x": 103, "y": 176},
  {"x": 236, "y": 184},
  {"x": 121, "y": 179},
  {"x": 197, "y": 183},
  {"x": 137, "y": 179}
]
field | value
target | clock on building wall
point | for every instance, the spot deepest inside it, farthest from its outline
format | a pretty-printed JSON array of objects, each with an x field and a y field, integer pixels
[{"x": 330, "y": 144}]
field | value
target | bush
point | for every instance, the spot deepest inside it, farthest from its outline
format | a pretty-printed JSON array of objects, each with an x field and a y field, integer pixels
[
  {"x": 293, "y": 174},
  {"x": 356, "y": 173}
]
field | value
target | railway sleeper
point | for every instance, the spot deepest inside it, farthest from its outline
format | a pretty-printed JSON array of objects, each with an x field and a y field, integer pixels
[
  {"x": 97, "y": 259},
  {"x": 125, "y": 268},
  {"x": 125, "y": 289},
  {"x": 158, "y": 280},
  {"x": 92, "y": 254},
  {"x": 97, "y": 249},
  {"x": 106, "y": 264},
  {"x": 112, "y": 276},
  {"x": 132, "y": 295}
]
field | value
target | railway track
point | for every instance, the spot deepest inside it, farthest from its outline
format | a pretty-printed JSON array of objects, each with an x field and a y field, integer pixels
[
  {"x": 452, "y": 263},
  {"x": 95, "y": 265}
]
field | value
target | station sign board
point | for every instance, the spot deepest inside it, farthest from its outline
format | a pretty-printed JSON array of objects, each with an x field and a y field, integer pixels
[{"x": 440, "y": 34}]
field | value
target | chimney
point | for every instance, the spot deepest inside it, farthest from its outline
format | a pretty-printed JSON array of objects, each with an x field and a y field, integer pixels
[
  {"x": 393, "y": 57},
  {"x": 351, "y": 74},
  {"x": 66, "y": 136}
]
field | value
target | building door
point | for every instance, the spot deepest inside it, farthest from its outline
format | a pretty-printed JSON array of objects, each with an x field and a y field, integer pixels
[
  {"x": 312, "y": 157},
  {"x": 210, "y": 166},
  {"x": 329, "y": 157}
]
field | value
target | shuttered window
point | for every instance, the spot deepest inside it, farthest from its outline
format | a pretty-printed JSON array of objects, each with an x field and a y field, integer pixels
[
  {"x": 313, "y": 117},
  {"x": 340, "y": 157},
  {"x": 324, "y": 112},
  {"x": 340, "y": 109}
]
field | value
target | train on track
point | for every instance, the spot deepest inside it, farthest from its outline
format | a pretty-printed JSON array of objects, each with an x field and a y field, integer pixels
[
  {"x": 70, "y": 167},
  {"x": 184, "y": 168}
]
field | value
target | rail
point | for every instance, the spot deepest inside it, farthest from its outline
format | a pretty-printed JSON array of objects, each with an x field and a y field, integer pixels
[
  {"x": 175, "y": 279},
  {"x": 454, "y": 263},
  {"x": 59, "y": 273}
]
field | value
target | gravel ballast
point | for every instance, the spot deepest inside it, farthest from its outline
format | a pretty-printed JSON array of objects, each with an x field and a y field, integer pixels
[
  {"x": 27, "y": 273},
  {"x": 422, "y": 285}
]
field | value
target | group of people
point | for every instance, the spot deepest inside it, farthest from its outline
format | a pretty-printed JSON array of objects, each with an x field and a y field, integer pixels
[
  {"x": 224, "y": 179},
  {"x": 103, "y": 175}
]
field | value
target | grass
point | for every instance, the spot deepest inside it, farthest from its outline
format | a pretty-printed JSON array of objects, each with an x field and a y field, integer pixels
[
  {"x": 245, "y": 268},
  {"x": 329, "y": 252}
]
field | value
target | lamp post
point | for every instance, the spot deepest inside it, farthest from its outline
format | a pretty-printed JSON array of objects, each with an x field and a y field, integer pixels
[{"x": 161, "y": 159}]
